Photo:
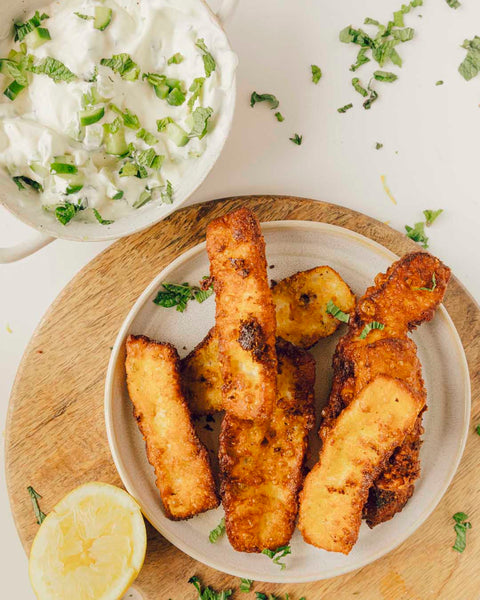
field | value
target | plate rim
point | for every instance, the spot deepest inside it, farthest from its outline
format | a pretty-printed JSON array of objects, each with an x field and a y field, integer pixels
[{"x": 171, "y": 537}]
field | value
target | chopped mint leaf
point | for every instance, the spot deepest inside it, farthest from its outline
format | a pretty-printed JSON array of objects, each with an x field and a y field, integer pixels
[
  {"x": 332, "y": 309},
  {"x": 118, "y": 195},
  {"x": 378, "y": 145},
  {"x": 371, "y": 99},
  {"x": 217, "y": 532},
  {"x": 176, "y": 59},
  {"x": 123, "y": 65},
  {"x": 460, "y": 528},
  {"x": 369, "y": 327},
  {"x": 470, "y": 66},
  {"x": 359, "y": 87},
  {"x": 431, "y": 216},
  {"x": 54, "y": 69},
  {"x": 200, "y": 118},
  {"x": 147, "y": 137},
  {"x": 385, "y": 76},
  {"x": 21, "y": 181},
  {"x": 417, "y": 233},
  {"x": 162, "y": 123},
  {"x": 477, "y": 429},
  {"x": 245, "y": 585},
  {"x": 167, "y": 194},
  {"x": 129, "y": 119},
  {"x": 296, "y": 139},
  {"x": 195, "y": 89},
  {"x": 65, "y": 212},
  {"x": 277, "y": 554},
  {"x": 279, "y": 117},
  {"x": 432, "y": 286},
  {"x": 270, "y": 98},
  {"x": 453, "y": 3},
  {"x": 178, "y": 295},
  {"x": 23, "y": 29},
  {"x": 361, "y": 59},
  {"x": 316, "y": 73},
  {"x": 209, "y": 63},
  {"x": 84, "y": 17},
  {"x": 343, "y": 109},
  {"x": 98, "y": 216},
  {"x": 35, "y": 497},
  {"x": 207, "y": 593},
  {"x": 439, "y": 82}
]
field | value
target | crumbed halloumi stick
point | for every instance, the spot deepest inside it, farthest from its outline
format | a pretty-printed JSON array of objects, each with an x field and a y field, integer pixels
[
  {"x": 354, "y": 452},
  {"x": 262, "y": 461},
  {"x": 181, "y": 462},
  {"x": 302, "y": 319},
  {"x": 245, "y": 315}
]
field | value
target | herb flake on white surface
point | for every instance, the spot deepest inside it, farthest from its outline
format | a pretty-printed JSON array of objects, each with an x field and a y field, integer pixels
[
  {"x": 296, "y": 139},
  {"x": 99, "y": 218},
  {"x": 343, "y": 109},
  {"x": 269, "y": 98},
  {"x": 178, "y": 295},
  {"x": 209, "y": 63},
  {"x": 470, "y": 66},
  {"x": 54, "y": 69},
  {"x": 431, "y": 216},
  {"x": 316, "y": 73}
]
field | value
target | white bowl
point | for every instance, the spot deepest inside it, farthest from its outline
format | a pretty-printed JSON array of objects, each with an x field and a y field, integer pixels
[
  {"x": 292, "y": 246},
  {"x": 30, "y": 210}
]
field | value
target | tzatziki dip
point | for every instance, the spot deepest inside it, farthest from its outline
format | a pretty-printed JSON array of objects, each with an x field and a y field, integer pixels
[{"x": 106, "y": 105}]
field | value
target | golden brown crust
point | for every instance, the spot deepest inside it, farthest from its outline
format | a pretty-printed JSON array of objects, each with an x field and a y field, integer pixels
[
  {"x": 262, "y": 461},
  {"x": 300, "y": 302},
  {"x": 355, "y": 450},
  {"x": 245, "y": 314},
  {"x": 397, "y": 303},
  {"x": 180, "y": 460}
]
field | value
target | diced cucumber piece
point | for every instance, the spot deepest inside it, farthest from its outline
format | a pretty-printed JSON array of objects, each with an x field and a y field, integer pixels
[
  {"x": 132, "y": 74},
  {"x": 37, "y": 37},
  {"x": 39, "y": 169},
  {"x": 177, "y": 134},
  {"x": 13, "y": 90},
  {"x": 144, "y": 197},
  {"x": 115, "y": 142},
  {"x": 176, "y": 97},
  {"x": 118, "y": 195},
  {"x": 60, "y": 168},
  {"x": 73, "y": 189},
  {"x": 161, "y": 90},
  {"x": 89, "y": 116},
  {"x": 64, "y": 158},
  {"x": 103, "y": 17}
]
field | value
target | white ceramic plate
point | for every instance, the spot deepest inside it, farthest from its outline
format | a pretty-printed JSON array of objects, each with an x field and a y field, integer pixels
[{"x": 293, "y": 246}]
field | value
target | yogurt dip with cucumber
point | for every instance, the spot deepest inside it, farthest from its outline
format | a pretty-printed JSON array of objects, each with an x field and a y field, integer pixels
[{"x": 107, "y": 104}]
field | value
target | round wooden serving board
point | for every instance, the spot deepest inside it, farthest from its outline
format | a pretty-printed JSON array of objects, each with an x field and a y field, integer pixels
[{"x": 56, "y": 438}]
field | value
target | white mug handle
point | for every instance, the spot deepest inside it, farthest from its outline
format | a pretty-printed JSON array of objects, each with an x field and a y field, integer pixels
[
  {"x": 226, "y": 9},
  {"x": 34, "y": 242}
]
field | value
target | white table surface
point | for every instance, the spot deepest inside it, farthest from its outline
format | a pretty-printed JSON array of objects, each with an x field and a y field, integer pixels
[{"x": 430, "y": 158}]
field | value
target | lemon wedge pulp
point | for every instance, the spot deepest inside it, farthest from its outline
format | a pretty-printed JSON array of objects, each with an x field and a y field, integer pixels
[{"x": 91, "y": 546}]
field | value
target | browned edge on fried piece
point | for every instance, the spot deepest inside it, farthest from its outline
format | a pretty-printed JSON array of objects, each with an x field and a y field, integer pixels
[
  {"x": 396, "y": 301},
  {"x": 262, "y": 461},
  {"x": 245, "y": 314},
  {"x": 180, "y": 461}
]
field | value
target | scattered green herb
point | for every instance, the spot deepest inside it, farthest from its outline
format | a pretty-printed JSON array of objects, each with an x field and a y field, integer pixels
[
  {"x": 460, "y": 527},
  {"x": 23, "y": 29},
  {"x": 200, "y": 118},
  {"x": 385, "y": 76},
  {"x": 453, "y": 3},
  {"x": 98, "y": 216},
  {"x": 378, "y": 146},
  {"x": 343, "y": 109},
  {"x": 470, "y": 66},
  {"x": 35, "y": 497},
  {"x": 316, "y": 73},
  {"x": 477, "y": 429},
  {"x": 439, "y": 82},
  {"x": 245, "y": 585},
  {"x": 369, "y": 327},
  {"x": 123, "y": 65},
  {"x": 359, "y": 87},
  {"x": 195, "y": 89},
  {"x": 167, "y": 198},
  {"x": 21, "y": 181},
  {"x": 217, "y": 532},
  {"x": 176, "y": 59},
  {"x": 277, "y": 554},
  {"x": 84, "y": 17},
  {"x": 207, "y": 593},
  {"x": 67, "y": 211},
  {"x": 129, "y": 119},
  {"x": 417, "y": 233},
  {"x": 371, "y": 99},
  {"x": 279, "y": 117},
  {"x": 54, "y": 69},
  {"x": 209, "y": 63},
  {"x": 431, "y": 216},
  {"x": 296, "y": 139},
  {"x": 332, "y": 309},
  {"x": 147, "y": 137},
  {"x": 431, "y": 288},
  {"x": 178, "y": 295},
  {"x": 270, "y": 98}
]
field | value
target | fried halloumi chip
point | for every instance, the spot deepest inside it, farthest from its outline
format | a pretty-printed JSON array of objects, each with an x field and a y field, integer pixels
[
  {"x": 301, "y": 305},
  {"x": 262, "y": 461},
  {"x": 302, "y": 319},
  {"x": 181, "y": 462},
  {"x": 353, "y": 454},
  {"x": 245, "y": 315},
  {"x": 401, "y": 299}
]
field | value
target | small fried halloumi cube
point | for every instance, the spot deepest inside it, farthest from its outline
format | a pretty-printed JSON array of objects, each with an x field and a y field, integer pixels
[
  {"x": 262, "y": 461},
  {"x": 180, "y": 460},
  {"x": 354, "y": 452},
  {"x": 245, "y": 315}
]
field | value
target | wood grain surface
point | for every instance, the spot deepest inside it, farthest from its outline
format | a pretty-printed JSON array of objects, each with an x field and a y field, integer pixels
[{"x": 56, "y": 439}]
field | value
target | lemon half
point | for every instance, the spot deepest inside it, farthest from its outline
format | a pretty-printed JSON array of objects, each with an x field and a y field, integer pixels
[{"x": 91, "y": 546}]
